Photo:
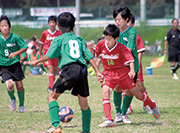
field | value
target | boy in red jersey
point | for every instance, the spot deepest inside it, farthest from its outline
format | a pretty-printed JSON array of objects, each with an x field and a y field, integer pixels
[
  {"x": 115, "y": 57},
  {"x": 46, "y": 38},
  {"x": 140, "y": 51}
]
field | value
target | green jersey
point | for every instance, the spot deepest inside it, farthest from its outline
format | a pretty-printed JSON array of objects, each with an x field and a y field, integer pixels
[
  {"x": 128, "y": 38},
  {"x": 69, "y": 48},
  {"x": 7, "y": 46}
]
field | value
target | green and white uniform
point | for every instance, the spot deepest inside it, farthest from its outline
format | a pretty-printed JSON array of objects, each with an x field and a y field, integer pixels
[
  {"x": 69, "y": 48},
  {"x": 7, "y": 46},
  {"x": 128, "y": 38}
]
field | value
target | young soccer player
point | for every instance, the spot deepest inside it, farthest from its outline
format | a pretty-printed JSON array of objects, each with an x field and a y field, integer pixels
[
  {"x": 127, "y": 36},
  {"x": 45, "y": 41},
  {"x": 72, "y": 53},
  {"x": 115, "y": 57},
  {"x": 140, "y": 51},
  {"x": 11, "y": 46}
]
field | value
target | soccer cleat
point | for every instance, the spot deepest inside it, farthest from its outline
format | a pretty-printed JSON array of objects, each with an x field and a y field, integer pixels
[
  {"x": 118, "y": 117},
  {"x": 175, "y": 76},
  {"x": 22, "y": 109},
  {"x": 156, "y": 112},
  {"x": 107, "y": 123},
  {"x": 126, "y": 119},
  {"x": 129, "y": 112},
  {"x": 53, "y": 129},
  {"x": 12, "y": 104},
  {"x": 148, "y": 109}
]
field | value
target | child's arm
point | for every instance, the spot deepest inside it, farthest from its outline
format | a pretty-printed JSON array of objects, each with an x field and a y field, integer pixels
[
  {"x": 131, "y": 73},
  {"x": 42, "y": 59},
  {"x": 100, "y": 77},
  {"x": 12, "y": 55}
]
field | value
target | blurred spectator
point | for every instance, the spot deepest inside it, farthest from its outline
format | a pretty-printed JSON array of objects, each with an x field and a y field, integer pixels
[{"x": 32, "y": 43}]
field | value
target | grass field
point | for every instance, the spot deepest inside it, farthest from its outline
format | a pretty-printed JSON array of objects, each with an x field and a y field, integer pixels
[{"x": 161, "y": 87}]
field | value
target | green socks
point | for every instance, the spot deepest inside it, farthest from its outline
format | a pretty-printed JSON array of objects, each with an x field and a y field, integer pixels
[
  {"x": 53, "y": 111},
  {"x": 21, "y": 97},
  {"x": 86, "y": 120},
  {"x": 117, "y": 101},
  {"x": 11, "y": 94},
  {"x": 126, "y": 102}
]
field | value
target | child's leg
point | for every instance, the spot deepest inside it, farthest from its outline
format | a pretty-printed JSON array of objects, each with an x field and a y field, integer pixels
[
  {"x": 20, "y": 91},
  {"x": 117, "y": 99},
  {"x": 143, "y": 97},
  {"x": 53, "y": 108},
  {"x": 126, "y": 101},
  {"x": 51, "y": 76},
  {"x": 106, "y": 92},
  {"x": 10, "y": 89},
  {"x": 86, "y": 114}
]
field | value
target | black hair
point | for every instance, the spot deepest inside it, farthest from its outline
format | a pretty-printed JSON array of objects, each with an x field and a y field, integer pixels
[
  {"x": 174, "y": 19},
  {"x": 33, "y": 38},
  {"x": 52, "y": 18},
  {"x": 66, "y": 22},
  {"x": 123, "y": 10},
  {"x": 33, "y": 47},
  {"x": 5, "y": 18},
  {"x": 132, "y": 18},
  {"x": 112, "y": 30}
]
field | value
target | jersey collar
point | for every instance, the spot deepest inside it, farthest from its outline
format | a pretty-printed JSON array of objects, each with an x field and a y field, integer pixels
[
  {"x": 6, "y": 38},
  {"x": 125, "y": 30},
  {"x": 51, "y": 32},
  {"x": 111, "y": 48}
]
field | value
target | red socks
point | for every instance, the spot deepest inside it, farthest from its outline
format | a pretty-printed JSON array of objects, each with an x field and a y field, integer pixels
[
  {"x": 51, "y": 81},
  {"x": 107, "y": 108},
  {"x": 148, "y": 101}
]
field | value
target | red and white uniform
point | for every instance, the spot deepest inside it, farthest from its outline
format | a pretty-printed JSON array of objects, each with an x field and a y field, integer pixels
[
  {"x": 46, "y": 38},
  {"x": 140, "y": 49},
  {"x": 114, "y": 62}
]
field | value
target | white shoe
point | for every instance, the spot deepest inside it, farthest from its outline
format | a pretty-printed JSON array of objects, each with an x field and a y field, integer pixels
[
  {"x": 148, "y": 109},
  {"x": 118, "y": 118},
  {"x": 156, "y": 112},
  {"x": 126, "y": 119},
  {"x": 175, "y": 76},
  {"x": 12, "y": 104},
  {"x": 107, "y": 123},
  {"x": 22, "y": 109}
]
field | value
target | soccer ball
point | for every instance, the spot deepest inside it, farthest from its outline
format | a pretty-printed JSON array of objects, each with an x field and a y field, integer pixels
[{"x": 65, "y": 114}]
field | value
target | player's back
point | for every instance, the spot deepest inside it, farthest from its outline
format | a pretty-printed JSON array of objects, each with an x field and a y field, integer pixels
[{"x": 70, "y": 48}]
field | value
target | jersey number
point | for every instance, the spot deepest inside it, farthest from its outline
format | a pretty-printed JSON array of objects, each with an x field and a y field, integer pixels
[
  {"x": 6, "y": 52},
  {"x": 110, "y": 62},
  {"x": 74, "y": 49}
]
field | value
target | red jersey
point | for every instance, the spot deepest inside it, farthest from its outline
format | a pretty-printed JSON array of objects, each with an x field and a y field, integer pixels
[
  {"x": 117, "y": 57},
  {"x": 47, "y": 37},
  {"x": 140, "y": 44}
]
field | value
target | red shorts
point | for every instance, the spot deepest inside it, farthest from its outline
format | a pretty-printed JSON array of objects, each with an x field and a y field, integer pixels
[
  {"x": 140, "y": 75},
  {"x": 118, "y": 77},
  {"x": 51, "y": 62}
]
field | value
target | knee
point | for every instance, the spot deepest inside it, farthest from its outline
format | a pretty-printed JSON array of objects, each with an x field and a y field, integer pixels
[
  {"x": 10, "y": 85},
  {"x": 128, "y": 93}
]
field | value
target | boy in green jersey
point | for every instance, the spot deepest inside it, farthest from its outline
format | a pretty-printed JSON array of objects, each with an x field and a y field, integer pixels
[
  {"x": 71, "y": 52},
  {"x": 11, "y": 46},
  {"x": 127, "y": 36}
]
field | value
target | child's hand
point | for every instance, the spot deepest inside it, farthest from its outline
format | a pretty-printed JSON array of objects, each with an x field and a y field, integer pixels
[
  {"x": 12, "y": 55},
  {"x": 32, "y": 63},
  {"x": 100, "y": 77},
  {"x": 131, "y": 74}
]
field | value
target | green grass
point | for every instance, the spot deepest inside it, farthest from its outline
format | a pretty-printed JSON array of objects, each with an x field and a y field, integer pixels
[{"x": 161, "y": 87}]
